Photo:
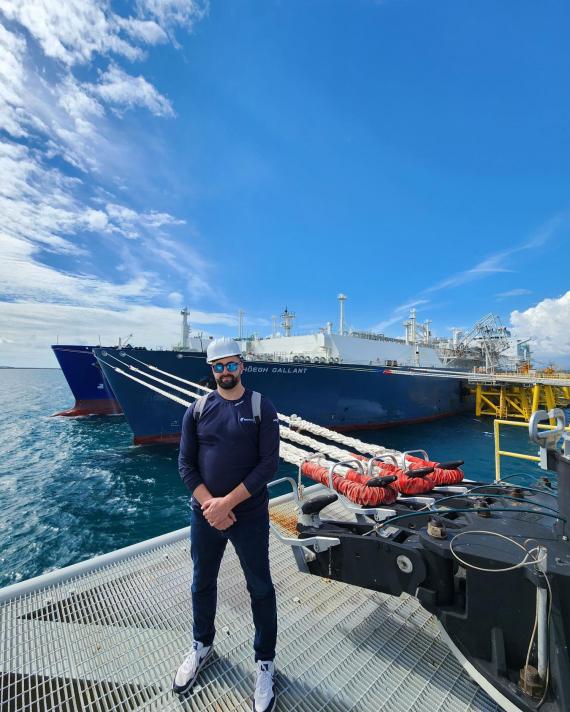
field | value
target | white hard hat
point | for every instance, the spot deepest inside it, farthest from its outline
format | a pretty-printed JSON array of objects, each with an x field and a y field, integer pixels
[{"x": 220, "y": 348}]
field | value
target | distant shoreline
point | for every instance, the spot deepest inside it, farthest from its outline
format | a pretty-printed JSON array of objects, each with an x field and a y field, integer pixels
[{"x": 29, "y": 368}]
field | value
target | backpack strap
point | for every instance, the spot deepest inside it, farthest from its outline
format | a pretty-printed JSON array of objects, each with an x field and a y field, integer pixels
[
  {"x": 199, "y": 406},
  {"x": 256, "y": 406}
]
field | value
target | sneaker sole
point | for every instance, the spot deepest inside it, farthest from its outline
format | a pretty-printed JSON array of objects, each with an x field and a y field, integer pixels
[
  {"x": 268, "y": 709},
  {"x": 183, "y": 690}
]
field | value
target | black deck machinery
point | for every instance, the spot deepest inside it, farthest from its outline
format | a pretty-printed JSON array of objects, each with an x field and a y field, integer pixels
[{"x": 490, "y": 561}]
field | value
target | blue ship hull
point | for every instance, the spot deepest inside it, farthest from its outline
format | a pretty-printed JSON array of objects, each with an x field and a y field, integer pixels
[
  {"x": 93, "y": 394},
  {"x": 338, "y": 396}
]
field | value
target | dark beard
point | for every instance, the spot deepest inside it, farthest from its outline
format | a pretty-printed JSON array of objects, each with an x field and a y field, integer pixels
[{"x": 227, "y": 381}]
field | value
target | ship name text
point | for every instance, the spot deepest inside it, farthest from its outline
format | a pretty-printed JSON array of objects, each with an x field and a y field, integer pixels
[{"x": 275, "y": 369}]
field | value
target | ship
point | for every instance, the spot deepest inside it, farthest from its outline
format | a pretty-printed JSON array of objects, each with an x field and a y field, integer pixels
[
  {"x": 92, "y": 392},
  {"x": 350, "y": 380},
  {"x": 339, "y": 396}
]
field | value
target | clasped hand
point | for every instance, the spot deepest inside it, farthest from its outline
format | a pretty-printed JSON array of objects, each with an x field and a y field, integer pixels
[{"x": 218, "y": 513}]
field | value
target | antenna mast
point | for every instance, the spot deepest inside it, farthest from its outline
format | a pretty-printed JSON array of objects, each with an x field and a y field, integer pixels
[
  {"x": 341, "y": 300},
  {"x": 287, "y": 322},
  {"x": 185, "y": 329}
]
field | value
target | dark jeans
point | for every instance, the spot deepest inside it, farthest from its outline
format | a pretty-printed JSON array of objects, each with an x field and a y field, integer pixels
[{"x": 250, "y": 539}]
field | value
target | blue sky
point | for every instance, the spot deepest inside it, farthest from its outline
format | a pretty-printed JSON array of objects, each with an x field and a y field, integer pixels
[{"x": 257, "y": 154}]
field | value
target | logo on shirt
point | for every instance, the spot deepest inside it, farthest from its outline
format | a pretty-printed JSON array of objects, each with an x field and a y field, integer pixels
[
  {"x": 236, "y": 404},
  {"x": 247, "y": 420}
]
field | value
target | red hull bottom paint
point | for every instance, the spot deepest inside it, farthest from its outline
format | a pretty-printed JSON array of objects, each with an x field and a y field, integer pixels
[
  {"x": 101, "y": 406},
  {"x": 174, "y": 438},
  {"x": 171, "y": 439}
]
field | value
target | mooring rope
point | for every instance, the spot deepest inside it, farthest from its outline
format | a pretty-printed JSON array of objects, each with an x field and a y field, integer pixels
[
  {"x": 154, "y": 378},
  {"x": 293, "y": 421},
  {"x": 317, "y": 460},
  {"x": 166, "y": 373},
  {"x": 354, "y": 443},
  {"x": 290, "y": 453},
  {"x": 171, "y": 396},
  {"x": 325, "y": 448}
]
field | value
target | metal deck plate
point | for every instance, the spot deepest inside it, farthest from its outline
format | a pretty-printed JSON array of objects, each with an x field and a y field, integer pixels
[{"x": 111, "y": 639}]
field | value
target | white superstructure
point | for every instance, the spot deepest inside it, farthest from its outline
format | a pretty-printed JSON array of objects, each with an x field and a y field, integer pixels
[
  {"x": 349, "y": 348},
  {"x": 487, "y": 345}
]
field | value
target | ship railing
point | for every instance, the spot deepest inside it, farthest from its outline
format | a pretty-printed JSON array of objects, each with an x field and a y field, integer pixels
[
  {"x": 373, "y": 336},
  {"x": 499, "y": 453},
  {"x": 293, "y": 358}
]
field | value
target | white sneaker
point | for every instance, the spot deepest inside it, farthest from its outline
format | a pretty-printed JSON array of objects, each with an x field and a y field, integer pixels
[
  {"x": 264, "y": 698},
  {"x": 188, "y": 672}
]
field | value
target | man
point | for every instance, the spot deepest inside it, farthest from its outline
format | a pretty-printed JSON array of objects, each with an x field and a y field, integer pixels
[{"x": 229, "y": 451}]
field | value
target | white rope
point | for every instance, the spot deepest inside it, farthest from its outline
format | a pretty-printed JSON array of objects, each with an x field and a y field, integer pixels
[
  {"x": 354, "y": 443},
  {"x": 296, "y": 456},
  {"x": 316, "y": 445},
  {"x": 291, "y": 454},
  {"x": 155, "y": 378},
  {"x": 149, "y": 385},
  {"x": 170, "y": 375},
  {"x": 295, "y": 421}
]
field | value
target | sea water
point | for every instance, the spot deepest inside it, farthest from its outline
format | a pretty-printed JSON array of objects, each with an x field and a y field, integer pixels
[{"x": 73, "y": 488}]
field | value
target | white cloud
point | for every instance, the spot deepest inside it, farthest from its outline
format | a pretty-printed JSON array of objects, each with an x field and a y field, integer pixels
[
  {"x": 29, "y": 328},
  {"x": 547, "y": 325},
  {"x": 81, "y": 108},
  {"x": 22, "y": 277},
  {"x": 146, "y": 31},
  {"x": 490, "y": 265},
  {"x": 96, "y": 220},
  {"x": 381, "y": 326},
  {"x": 413, "y": 303},
  {"x": 131, "y": 224},
  {"x": 73, "y": 31},
  {"x": 70, "y": 31},
  {"x": 68, "y": 115},
  {"x": 62, "y": 115},
  {"x": 118, "y": 88},
  {"x": 42, "y": 208},
  {"x": 398, "y": 315},
  {"x": 519, "y": 292},
  {"x": 497, "y": 263},
  {"x": 38, "y": 204},
  {"x": 54, "y": 216},
  {"x": 40, "y": 211},
  {"x": 170, "y": 13},
  {"x": 175, "y": 298},
  {"x": 12, "y": 102}
]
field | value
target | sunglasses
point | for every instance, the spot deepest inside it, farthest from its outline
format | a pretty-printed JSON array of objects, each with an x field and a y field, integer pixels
[{"x": 232, "y": 367}]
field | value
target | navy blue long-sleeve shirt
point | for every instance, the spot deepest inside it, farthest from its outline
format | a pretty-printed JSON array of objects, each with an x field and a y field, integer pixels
[{"x": 226, "y": 447}]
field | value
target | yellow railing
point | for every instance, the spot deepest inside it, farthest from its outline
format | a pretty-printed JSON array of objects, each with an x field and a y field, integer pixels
[
  {"x": 506, "y": 453},
  {"x": 515, "y": 400}
]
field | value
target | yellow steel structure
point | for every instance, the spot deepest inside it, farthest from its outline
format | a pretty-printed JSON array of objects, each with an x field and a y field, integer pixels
[
  {"x": 506, "y": 453},
  {"x": 512, "y": 400}
]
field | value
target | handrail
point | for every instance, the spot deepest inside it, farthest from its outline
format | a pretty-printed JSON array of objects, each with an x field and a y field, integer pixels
[{"x": 518, "y": 455}]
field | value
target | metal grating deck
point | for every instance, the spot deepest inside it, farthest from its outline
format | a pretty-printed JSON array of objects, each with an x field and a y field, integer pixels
[{"x": 111, "y": 638}]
